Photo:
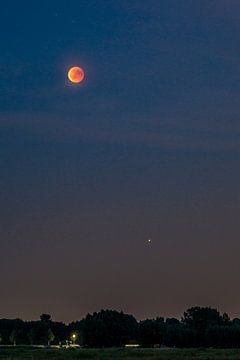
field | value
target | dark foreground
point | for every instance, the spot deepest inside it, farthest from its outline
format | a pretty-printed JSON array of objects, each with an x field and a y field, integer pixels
[{"x": 119, "y": 354}]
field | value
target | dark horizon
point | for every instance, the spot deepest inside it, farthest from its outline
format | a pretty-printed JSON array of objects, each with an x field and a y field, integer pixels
[
  {"x": 146, "y": 147},
  {"x": 158, "y": 316},
  {"x": 199, "y": 327}
]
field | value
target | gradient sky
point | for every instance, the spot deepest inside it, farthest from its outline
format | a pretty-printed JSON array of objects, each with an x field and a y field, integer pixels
[{"x": 146, "y": 147}]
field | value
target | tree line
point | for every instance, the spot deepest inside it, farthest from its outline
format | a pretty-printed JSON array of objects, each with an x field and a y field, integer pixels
[{"x": 198, "y": 327}]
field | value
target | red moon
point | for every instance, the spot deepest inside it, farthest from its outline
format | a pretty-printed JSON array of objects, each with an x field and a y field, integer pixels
[{"x": 76, "y": 74}]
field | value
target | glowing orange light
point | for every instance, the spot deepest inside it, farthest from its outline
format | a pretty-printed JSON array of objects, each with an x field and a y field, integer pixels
[{"x": 76, "y": 74}]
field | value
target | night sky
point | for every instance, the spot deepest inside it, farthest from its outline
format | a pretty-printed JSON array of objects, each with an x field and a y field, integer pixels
[{"x": 146, "y": 147}]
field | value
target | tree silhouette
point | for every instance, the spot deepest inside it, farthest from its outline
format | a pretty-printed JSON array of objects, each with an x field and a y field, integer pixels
[{"x": 50, "y": 336}]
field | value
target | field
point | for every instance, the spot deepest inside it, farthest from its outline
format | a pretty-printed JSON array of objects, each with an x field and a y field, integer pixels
[{"x": 118, "y": 354}]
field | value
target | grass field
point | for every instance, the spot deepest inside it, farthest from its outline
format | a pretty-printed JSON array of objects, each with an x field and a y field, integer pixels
[{"x": 118, "y": 354}]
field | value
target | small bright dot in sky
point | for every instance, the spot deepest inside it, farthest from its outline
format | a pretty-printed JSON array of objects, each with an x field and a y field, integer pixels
[
  {"x": 149, "y": 241},
  {"x": 76, "y": 74}
]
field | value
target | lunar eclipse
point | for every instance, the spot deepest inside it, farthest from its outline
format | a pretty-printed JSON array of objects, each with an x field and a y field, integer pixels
[{"x": 76, "y": 74}]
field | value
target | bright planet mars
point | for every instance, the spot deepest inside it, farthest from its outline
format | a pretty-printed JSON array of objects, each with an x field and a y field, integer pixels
[{"x": 76, "y": 74}]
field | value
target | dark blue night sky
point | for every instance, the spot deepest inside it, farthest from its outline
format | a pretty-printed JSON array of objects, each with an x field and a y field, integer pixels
[{"x": 147, "y": 146}]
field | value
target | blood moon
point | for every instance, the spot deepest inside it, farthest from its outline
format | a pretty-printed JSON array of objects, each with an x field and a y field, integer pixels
[{"x": 76, "y": 74}]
